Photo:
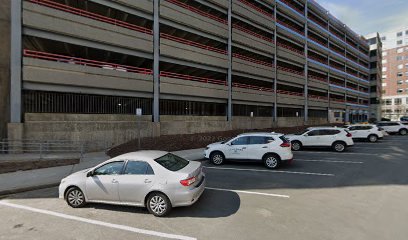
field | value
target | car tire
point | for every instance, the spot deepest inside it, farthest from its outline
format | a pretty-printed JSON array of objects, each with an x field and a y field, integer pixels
[
  {"x": 339, "y": 146},
  {"x": 75, "y": 197},
  {"x": 296, "y": 145},
  {"x": 217, "y": 158},
  {"x": 372, "y": 138},
  {"x": 403, "y": 132},
  {"x": 271, "y": 161},
  {"x": 158, "y": 204}
]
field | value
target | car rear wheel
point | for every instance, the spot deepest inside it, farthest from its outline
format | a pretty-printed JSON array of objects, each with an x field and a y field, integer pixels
[
  {"x": 373, "y": 138},
  {"x": 217, "y": 158},
  {"x": 339, "y": 146},
  {"x": 296, "y": 146},
  {"x": 158, "y": 204},
  {"x": 271, "y": 161},
  {"x": 403, "y": 132},
  {"x": 75, "y": 197}
]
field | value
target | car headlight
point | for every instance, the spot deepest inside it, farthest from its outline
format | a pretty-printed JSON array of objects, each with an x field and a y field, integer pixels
[
  {"x": 206, "y": 148},
  {"x": 63, "y": 180}
]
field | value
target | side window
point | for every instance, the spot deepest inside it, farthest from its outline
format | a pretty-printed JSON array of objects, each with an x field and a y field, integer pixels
[
  {"x": 259, "y": 140},
  {"x": 240, "y": 141},
  {"x": 394, "y": 124},
  {"x": 113, "y": 168},
  {"x": 138, "y": 168},
  {"x": 314, "y": 133},
  {"x": 353, "y": 128}
]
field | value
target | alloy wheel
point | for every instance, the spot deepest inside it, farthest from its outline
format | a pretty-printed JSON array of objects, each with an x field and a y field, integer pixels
[
  {"x": 158, "y": 205},
  {"x": 76, "y": 198},
  {"x": 339, "y": 147}
]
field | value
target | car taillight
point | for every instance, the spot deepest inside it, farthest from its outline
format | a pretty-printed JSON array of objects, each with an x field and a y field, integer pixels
[
  {"x": 285, "y": 144},
  {"x": 349, "y": 135},
  {"x": 188, "y": 182}
]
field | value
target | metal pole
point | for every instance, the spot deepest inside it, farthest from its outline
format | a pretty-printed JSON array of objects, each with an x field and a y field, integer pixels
[{"x": 306, "y": 118}]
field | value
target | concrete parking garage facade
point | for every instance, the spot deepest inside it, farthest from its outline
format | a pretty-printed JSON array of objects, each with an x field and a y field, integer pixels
[{"x": 79, "y": 70}]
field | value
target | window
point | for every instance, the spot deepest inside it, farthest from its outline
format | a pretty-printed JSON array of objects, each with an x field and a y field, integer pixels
[
  {"x": 400, "y": 58},
  {"x": 399, "y": 42},
  {"x": 384, "y": 84},
  {"x": 383, "y": 38},
  {"x": 406, "y": 32},
  {"x": 384, "y": 69},
  {"x": 384, "y": 76},
  {"x": 400, "y": 74},
  {"x": 399, "y": 34},
  {"x": 314, "y": 133},
  {"x": 401, "y": 66},
  {"x": 384, "y": 54},
  {"x": 240, "y": 141},
  {"x": 388, "y": 102},
  {"x": 112, "y": 168},
  {"x": 172, "y": 162},
  {"x": 400, "y": 90},
  {"x": 400, "y": 50},
  {"x": 399, "y": 82},
  {"x": 138, "y": 168},
  {"x": 384, "y": 61},
  {"x": 406, "y": 74},
  {"x": 329, "y": 132},
  {"x": 398, "y": 101},
  {"x": 260, "y": 140}
]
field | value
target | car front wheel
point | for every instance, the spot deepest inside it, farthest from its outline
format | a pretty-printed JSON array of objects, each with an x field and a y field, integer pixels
[
  {"x": 373, "y": 138},
  {"x": 217, "y": 158},
  {"x": 403, "y": 132},
  {"x": 339, "y": 146},
  {"x": 75, "y": 197},
  {"x": 271, "y": 161},
  {"x": 296, "y": 146},
  {"x": 158, "y": 204}
]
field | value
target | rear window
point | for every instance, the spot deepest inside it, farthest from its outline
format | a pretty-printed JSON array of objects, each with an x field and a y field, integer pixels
[
  {"x": 172, "y": 162},
  {"x": 285, "y": 140}
]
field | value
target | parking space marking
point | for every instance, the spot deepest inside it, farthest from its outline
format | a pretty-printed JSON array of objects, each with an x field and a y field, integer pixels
[
  {"x": 272, "y": 171},
  {"x": 96, "y": 222},
  {"x": 249, "y": 192},
  {"x": 342, "y": 153},
  {"x": 328, "y": 161}
]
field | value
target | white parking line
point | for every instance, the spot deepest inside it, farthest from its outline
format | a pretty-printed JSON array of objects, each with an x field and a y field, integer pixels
[
  {"x": 249, "y": 192},
  {"x": 328, "y": 161},
  {"x": 342, "y": 153},
  {"x": 96, "y": 222},
  {"x": 272, "y": 171}
]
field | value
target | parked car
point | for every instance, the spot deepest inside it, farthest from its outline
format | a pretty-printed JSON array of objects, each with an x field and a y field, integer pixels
[
  {"x": 394, "y": 127},
  {"x": 154, "y": 179},
  {"x": 272, "y": 149},
  {"x": 366, "y": 131},
  {"x": 328, "y": 137},
  {"x": 404, "y": 119}
]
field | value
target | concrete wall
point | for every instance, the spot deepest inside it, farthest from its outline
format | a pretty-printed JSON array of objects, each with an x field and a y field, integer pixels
[
  {"x": 107, "y": 130},
  {"x": 4, "y": 65}
]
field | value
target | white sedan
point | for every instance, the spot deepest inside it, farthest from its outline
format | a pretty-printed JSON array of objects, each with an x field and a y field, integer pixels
[{"x": 154, "y": 179}]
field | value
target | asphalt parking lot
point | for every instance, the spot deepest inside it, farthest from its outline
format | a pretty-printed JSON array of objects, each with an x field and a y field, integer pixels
[{"x": 359, "y": 194}]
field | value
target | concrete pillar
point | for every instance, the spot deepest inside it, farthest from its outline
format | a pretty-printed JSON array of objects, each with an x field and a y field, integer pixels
[
  {"x": 15, "y": 131},
  {"x": 275, "y": 63},
  {"x": 229, "y": 107},
  {"x": 156, "y": 62},
  {"x": 15, "y": 62}
]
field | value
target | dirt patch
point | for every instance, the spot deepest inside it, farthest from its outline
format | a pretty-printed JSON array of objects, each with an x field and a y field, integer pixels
[
  {"x": 14, "y": 166},
  {"x": 189, "y": 141}
]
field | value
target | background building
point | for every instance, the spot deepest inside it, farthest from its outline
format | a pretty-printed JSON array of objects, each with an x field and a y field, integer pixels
[
  {"x": 395, "y": 74},
  {"x": 375, "y": 43},
  {"x": 80, "y": 69}
]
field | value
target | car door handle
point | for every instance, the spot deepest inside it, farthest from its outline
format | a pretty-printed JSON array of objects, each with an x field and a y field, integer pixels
[
  {"x": 265, "y": 147},
  {"x": 147, "y": 181},
  {"x": 244, "y": 148},
  {"x": 114, "y": 181}
]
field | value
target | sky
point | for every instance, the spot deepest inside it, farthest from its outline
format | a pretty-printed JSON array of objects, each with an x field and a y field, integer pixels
[{"x": 369, "y": 16}]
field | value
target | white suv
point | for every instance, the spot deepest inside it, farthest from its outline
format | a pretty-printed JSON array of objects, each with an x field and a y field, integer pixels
[
  {"x": 394, "y": 127},
  {"x": 366, "y": 131},
  {"x": 270, "y": 148},
  {"x": 336, "y": 138}
]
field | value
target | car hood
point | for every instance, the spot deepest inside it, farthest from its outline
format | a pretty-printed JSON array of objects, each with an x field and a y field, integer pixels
[
  {"x": 215, "y": 144},
  {"x": 81, "y": 173}
]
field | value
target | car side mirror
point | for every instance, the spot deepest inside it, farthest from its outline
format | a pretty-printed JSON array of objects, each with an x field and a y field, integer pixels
[
  {"x": 229, "y": 144},
  {"x": 90, "y": 173}
]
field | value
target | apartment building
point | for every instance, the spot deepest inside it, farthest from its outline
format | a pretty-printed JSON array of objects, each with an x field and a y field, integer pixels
[
  {"x": 395, "y": 74},
  {"x": 375, "y": 43},
  {"x": 80, "y": 69}
]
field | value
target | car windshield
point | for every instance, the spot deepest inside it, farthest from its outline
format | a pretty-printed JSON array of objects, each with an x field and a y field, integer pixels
[
  {"x": 172, "y": 162},
  {"x": 303, "y": 132}
]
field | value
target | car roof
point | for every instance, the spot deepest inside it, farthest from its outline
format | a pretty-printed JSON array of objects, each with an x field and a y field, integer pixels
[
  {"x": 261, "y": 134},
  {"x": 360, "y": 124},
  {"x": 319, "y": 128},
  {"x": 144, "y": 155}
]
